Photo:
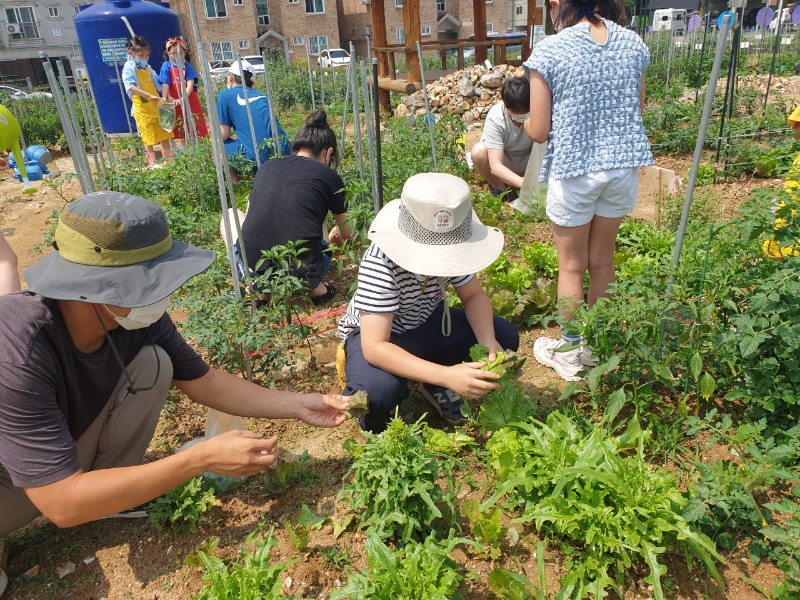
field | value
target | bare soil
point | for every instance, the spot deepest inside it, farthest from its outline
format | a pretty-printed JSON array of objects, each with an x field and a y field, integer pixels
[{"x": 130, "y": 559}]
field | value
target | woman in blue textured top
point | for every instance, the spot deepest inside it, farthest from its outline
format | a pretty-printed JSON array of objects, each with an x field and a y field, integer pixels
[{"x": 587, "y": 94}]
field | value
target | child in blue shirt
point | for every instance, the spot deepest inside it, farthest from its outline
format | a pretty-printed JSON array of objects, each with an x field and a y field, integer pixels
[
  {"x": 587, "y": 94},
  {"x": 170, "y": 80}
]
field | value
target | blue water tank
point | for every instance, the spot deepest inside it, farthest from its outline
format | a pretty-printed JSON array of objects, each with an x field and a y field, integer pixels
[{"x": 103, "y": 38}]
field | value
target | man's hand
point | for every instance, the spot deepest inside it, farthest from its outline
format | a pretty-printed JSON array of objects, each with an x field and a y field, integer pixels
[
  {"x": 468, "y": 380},
  {"x": 239, "y": 453},
  {"x": 322, "y": 410}
]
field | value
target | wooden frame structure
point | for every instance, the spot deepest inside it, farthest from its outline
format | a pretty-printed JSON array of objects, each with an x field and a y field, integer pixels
[{"x": 384, "y": 52}]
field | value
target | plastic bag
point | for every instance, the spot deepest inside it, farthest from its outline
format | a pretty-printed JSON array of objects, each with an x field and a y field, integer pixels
[
  {"x": 532, "y": 200},
  {"x": 216, "y": 423},
  {"x": 166, "y": 116}
]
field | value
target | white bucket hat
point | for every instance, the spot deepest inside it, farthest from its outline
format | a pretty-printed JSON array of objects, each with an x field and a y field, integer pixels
[{"x": 432, "y": 230}]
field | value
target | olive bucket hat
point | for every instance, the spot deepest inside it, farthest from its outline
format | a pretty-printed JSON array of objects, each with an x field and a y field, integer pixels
[{"x": 114, "y": 248}]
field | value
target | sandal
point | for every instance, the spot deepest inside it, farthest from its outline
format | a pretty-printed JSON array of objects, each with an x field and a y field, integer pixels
[{"x": 330, "y": 292}]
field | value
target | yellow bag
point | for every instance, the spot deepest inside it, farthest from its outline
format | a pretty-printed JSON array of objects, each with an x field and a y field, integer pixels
[{"x": 341, "y": 363}]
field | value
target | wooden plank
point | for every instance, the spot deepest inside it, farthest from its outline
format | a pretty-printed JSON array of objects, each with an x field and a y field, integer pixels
[{"x": 400, "y": 86}]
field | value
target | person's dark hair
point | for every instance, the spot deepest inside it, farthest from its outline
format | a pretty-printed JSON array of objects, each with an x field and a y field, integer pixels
[
  {"x": 572, "y": 11},
  {"x": 317, "y": 136},
  {"x": 137, "y": 42},
  {"x": 516, "y": 95},
  {"x": 248, "y": 78}
]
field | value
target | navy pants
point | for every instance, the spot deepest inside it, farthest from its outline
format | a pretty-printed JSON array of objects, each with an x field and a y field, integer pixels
[{"x": 385, "y": 390}]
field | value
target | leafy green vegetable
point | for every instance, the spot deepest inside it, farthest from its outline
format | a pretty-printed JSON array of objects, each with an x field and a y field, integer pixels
[
  {"x": 250, "y": 577},
  {"x": 394, "y": 487},
  {"x": 505, "y": 364},
  {"x": 504, "y": 406},
  {"x": 417, "y": 570},
  {"x": 588, "y": 489},
  {"x": 486, "y": 526},
  {"x": 183, "y": 506}
]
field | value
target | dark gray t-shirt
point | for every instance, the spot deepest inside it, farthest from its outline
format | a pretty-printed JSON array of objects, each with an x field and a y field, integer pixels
[{"x": 50, "y": 392}]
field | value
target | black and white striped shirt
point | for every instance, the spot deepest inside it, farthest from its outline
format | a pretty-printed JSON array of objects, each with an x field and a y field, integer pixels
[{"x": 385, "y": 287}]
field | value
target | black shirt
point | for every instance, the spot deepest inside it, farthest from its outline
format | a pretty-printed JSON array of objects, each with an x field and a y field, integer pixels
[{"x": 290, "y": 200}]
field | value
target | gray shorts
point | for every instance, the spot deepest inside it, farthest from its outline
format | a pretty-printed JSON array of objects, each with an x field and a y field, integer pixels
[{"x": 577, "y": 200}]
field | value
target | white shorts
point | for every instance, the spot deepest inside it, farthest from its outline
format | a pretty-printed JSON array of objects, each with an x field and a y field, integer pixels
[{"x": 577, "y": 200}]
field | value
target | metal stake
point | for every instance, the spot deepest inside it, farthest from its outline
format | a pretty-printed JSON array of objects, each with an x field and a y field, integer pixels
[{"x": 428, "y": 115}]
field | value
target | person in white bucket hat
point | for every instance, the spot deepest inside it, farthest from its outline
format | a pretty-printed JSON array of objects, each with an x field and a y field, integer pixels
[{"x": 398, "y": 325}]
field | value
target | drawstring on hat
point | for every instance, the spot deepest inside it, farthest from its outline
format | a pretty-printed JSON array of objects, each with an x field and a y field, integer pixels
[{"x": 447, "y": 322}]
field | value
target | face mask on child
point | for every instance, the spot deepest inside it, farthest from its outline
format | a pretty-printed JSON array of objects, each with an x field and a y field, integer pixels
[
  {"x": 518, "y": 118},
  {"x": 140, "y": 62}
]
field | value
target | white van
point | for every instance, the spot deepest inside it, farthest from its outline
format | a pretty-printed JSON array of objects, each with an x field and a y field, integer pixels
[{"x": 670, "y": 19}]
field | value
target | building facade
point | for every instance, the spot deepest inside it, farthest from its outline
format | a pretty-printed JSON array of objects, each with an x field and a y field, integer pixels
[{"x": 28, "y": 27}]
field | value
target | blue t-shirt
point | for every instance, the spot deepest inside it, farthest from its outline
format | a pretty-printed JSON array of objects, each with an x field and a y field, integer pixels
[
  {"x": 165, "y": 76},
  {"x": 231, "y": 107}
]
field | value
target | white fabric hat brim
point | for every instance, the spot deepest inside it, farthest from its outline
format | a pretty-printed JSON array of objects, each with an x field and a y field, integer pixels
[{"x": 451, "y": 260}]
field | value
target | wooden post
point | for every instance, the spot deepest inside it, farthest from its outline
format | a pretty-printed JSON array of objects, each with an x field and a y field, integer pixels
[
  {"x": 411, "y": 27},
  {"x": 479, "y": 20},
  {"x": 379, "y": 40}
]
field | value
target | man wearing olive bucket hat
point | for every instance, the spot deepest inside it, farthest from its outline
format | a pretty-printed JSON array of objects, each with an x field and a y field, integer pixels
[
  {"x": 398, "y": 325},
  {"x": 87, "y": 356}
]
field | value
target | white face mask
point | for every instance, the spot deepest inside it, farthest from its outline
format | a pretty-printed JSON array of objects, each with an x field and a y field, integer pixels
[
  {"x": 142, "y": 316},
  {"x": 518, "y": 118}
]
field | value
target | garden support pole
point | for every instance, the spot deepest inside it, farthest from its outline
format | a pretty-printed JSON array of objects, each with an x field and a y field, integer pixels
[
  {"x": 346, "y": 97},
  {"x": 91, "y": 133},
  {"x": 357, "y": 117},
  {"x": 370, "y": 148},
  {"x": 702, "y": 58},
  {"x": 74, "y": 123},
  {"x": 774, "y": 52},
  {"x": 273, "y": 122},
  {"x": 428, "y": 115},
  {"x": 310, "y": 79},
  {"x": 698, "y": 152},
  {"x": 321, "y": 85},
  {"x": 64, "y": 118},
  {"x": 378, "y": 159},
  {"x": 249, "y": 113},
  {"x": 123, "y": 96},
  {"x": 189, "y": 130},
  {"x": 213, "y": 420}
]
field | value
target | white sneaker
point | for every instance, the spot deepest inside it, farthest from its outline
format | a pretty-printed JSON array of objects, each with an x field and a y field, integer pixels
[
  {"x": 3, "y": 581},
  {"x": 566, "y": 364}
]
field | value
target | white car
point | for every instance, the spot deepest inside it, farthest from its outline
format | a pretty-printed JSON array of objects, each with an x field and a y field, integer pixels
[
  {"x": 257, "y": 61},
  {"x": 333, "y": 57},
  {"x": 18, "y": 94},
  {"x": 219, "y": 67}
]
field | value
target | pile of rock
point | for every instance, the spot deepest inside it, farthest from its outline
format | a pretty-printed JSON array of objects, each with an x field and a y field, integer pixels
[{"x": 469, "y": 93}]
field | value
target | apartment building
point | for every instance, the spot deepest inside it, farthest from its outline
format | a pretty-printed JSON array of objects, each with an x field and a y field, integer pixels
[
  {"x": 231, "y": 27},
  {"x": 30, "y": 26}
]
